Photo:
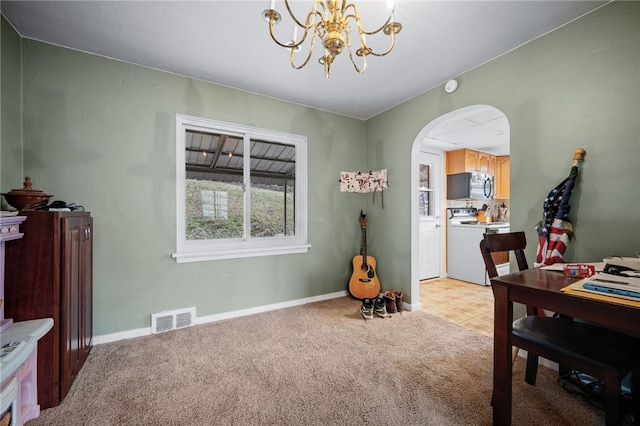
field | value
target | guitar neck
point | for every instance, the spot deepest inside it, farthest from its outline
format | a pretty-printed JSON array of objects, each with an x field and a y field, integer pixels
[{"x": 364, "y": 247}]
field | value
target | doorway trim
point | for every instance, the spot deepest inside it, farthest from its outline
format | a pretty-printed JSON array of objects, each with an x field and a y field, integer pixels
[{"x": 418, "y": 146}]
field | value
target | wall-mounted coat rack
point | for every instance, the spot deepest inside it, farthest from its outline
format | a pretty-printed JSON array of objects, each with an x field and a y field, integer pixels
[{"x": 372, "y": 181}]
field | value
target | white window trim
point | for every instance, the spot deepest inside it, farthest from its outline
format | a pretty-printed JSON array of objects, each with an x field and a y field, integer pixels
[{"x": 197, "y": 251}]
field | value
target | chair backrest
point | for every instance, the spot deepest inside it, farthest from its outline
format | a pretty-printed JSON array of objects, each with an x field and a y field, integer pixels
[{"x": 514, "y": 242}]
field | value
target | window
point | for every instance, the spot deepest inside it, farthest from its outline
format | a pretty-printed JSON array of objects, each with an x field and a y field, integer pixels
[
  {"x": 425, "y": 204},
  {"x": 241, "y": 191}
]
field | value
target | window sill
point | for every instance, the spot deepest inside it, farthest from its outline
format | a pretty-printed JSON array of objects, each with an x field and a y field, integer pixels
[{"x": 201, "y": 255}]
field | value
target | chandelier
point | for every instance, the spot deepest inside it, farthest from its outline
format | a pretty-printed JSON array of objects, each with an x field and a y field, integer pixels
[{"x": 331, "y": 21}]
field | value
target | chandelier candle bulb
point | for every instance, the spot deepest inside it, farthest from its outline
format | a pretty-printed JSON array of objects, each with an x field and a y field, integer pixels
[{"x": 272, "y": 4}]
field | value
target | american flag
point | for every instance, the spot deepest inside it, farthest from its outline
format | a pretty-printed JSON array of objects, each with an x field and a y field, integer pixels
[{"x": 555, "y": 229}]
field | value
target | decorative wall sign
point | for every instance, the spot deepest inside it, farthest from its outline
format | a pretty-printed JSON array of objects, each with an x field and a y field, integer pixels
[{"x": 375, "y": 181}]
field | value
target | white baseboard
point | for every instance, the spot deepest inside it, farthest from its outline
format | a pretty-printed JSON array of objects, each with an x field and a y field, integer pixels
[
  {"x": 121, "y": 335},
  {"x": 411, "y": 307},
  {"x": 267, "y": 308},
  {"x": 130, "y": 334}
]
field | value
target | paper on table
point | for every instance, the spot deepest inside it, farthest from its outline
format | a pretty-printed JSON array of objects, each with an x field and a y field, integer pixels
[
  {"x": 623, "y": 258},
  {"x": 625, "y": 262}
]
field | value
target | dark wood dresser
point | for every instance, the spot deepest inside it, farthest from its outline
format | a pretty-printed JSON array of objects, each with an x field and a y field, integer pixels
[{"x": 49, "y": 273}]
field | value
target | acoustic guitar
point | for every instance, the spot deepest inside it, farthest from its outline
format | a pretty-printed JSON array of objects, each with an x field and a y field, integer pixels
[{"x": 364, "y": 282}]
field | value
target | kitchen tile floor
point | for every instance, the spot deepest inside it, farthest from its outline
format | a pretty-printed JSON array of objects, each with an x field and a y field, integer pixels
[{"x": 468, "y": 305}]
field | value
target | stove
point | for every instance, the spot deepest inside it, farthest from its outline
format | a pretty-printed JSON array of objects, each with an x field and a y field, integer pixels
[
  {"x": 468, "y": 216},
  {"x": 457, "y": 215}
]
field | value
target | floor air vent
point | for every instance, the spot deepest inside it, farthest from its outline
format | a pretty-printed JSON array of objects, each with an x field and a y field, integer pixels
[{"x": 171, "y": 320}]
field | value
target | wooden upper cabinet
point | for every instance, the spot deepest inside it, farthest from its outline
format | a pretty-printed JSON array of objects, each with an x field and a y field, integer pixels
[
  {"x": 468, "y": 160},
  {"x": 462, "y": 160},
  {"x": 486, "y": 163},
  {"x": 503, "y": 174},
  {"x": 455, "y": 161}
]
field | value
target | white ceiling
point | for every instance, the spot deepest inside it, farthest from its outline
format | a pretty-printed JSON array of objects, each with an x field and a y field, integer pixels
[{"x": 227, "y": 42}]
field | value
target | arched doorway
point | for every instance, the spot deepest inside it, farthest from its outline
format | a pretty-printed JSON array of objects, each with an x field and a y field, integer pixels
[{"x": 468, "y": 127}]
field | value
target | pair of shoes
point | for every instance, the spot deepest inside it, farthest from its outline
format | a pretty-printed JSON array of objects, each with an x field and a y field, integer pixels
[
  {"x": 393, "y": 301},
  {"x": 380, "y": 308},
  {"x": 367, "y": 309},
  {"x": 390, "y": 302},
  {"x": 398, "y": 296}
]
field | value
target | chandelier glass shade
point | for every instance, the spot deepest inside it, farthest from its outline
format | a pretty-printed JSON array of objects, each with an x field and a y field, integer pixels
[{"x": 332, "y": 22}]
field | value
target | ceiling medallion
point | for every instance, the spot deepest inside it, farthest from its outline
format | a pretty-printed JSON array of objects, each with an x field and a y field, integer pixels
[{"x": 331, "y": 21}]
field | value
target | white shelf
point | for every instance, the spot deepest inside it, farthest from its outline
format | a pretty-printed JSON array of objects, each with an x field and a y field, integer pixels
[{"x": 27, "y": 333}]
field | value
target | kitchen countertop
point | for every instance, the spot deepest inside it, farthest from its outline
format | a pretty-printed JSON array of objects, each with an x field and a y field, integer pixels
[{"x": 483, "y": 225}]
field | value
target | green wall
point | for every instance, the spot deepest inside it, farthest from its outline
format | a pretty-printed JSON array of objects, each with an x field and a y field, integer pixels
[
  {"x": 578, "y": 86},
  {"x": 101, "y": 133},
  {"x": 10, "y": 120}
]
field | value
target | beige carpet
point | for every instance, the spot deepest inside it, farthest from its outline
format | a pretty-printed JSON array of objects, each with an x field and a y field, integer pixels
[{"x": 317, "y": 364}]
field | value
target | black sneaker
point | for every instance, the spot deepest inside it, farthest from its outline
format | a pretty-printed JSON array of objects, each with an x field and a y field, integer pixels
[
  {"x": 380, "y": 309},
  {"x": 367, "y": 309}
]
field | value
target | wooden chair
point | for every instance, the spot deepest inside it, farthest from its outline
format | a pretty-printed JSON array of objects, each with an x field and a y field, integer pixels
[
  {"x": 597, "y": 351},
  {"x": 515, "y": 243}
]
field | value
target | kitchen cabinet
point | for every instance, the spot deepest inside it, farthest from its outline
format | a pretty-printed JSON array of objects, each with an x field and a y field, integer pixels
[
  {"x": 486, "y": 163},
  {"x": 464, "y": 260},
  {"x": 469, "y": 160},
  {"x": 461, "y": 160},
  {"x": 49, "y": 273},
  {"x": 503, "y": 174},
  {"x": 500, "y": 257}
]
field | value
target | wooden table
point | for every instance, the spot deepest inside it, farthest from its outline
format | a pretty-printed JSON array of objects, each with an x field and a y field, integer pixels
[{"x": 541, "y": 288}]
